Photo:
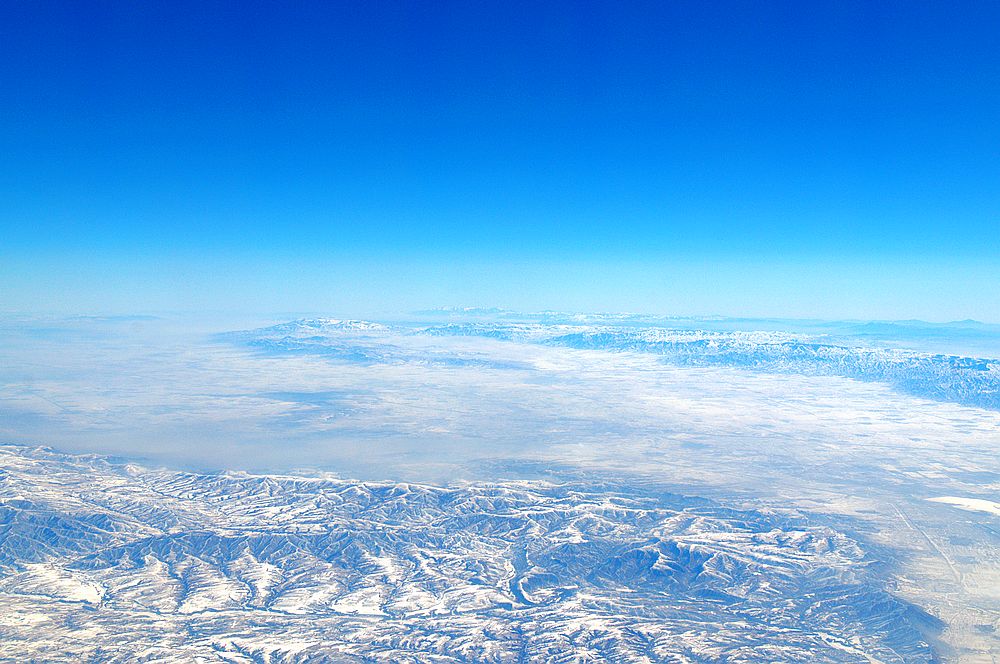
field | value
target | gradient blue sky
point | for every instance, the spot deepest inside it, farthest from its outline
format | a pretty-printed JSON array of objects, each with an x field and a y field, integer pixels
[{"x": 756, "y": 158}]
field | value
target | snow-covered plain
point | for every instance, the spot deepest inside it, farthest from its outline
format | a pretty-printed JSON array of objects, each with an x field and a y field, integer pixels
[{"x": 500, "y": 488}]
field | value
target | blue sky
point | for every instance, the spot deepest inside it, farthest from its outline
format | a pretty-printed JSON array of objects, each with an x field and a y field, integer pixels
[{"x": 771, "y": 158}]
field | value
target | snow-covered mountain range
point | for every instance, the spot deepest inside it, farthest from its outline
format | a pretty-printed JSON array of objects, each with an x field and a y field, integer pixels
[
  {"x": 552, "y": 488},
  {"x": 106, "y": 561},
  {"x": 972, "y": 381}
]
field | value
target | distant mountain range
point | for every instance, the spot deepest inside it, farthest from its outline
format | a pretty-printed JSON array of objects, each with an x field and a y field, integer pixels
[{"x": 857, "y": 351}]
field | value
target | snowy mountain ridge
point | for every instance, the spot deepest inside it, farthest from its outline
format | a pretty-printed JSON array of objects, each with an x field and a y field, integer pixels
[
  {"x": 115, "y": 562},
  {"x": 971, "y": 381}
]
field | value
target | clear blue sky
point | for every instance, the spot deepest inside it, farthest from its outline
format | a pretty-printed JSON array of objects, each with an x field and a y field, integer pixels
[{"x": 776, "y": 158}]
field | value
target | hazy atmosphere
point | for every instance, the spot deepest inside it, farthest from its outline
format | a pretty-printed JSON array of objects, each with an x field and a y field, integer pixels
[{"x": 500, "y": 332}]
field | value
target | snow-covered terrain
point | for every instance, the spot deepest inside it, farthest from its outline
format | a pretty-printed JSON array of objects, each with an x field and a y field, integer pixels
[
  {"x": 973, "y": 381},
  {"x": 103, "y": 561},
  {"x": 484, "y": 486}
]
